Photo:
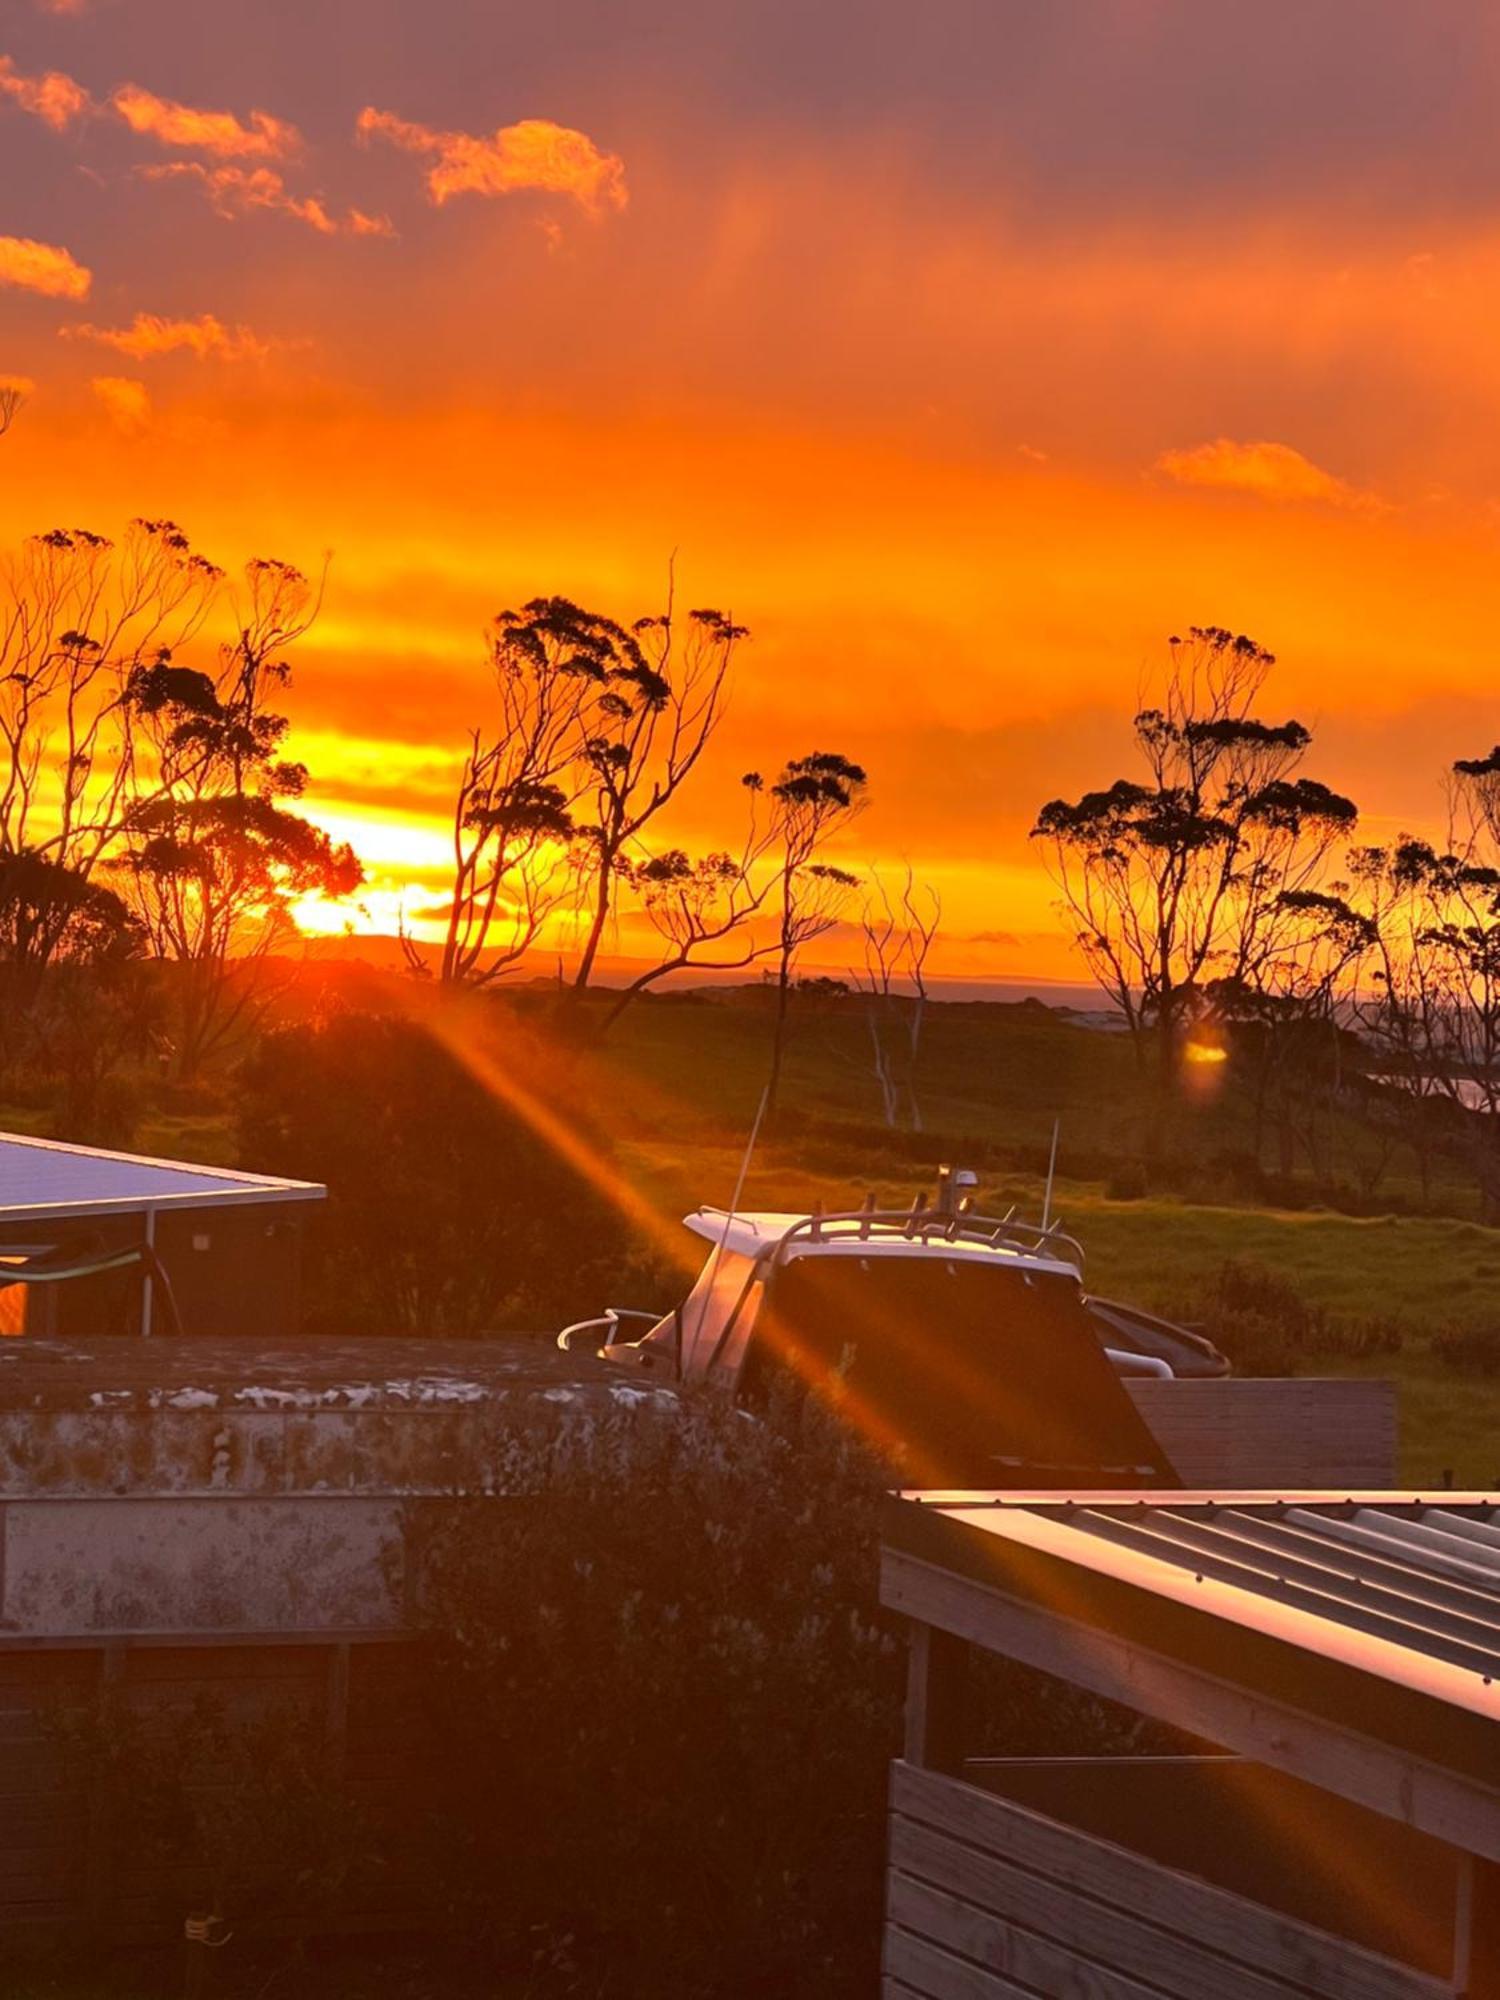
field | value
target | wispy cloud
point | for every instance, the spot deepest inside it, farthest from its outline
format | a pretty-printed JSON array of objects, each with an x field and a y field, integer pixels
[
  {"x": 533, "y": 154},
  {"x": 235, "y": 191},
  {"x": 42, "y": 267},
  {"x": 54, "y": 98},
  {"x": 126, "y": 402},
  {"x": 220, "y": 133},
  {"x": 1269, "y": 471},
  {"x": 150, "y": 334}
]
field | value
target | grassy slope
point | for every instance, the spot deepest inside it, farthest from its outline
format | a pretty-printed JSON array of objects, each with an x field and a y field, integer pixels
[
  {"x": 679, "y": 1081},
  {"x": 1427, "y": 1271}
]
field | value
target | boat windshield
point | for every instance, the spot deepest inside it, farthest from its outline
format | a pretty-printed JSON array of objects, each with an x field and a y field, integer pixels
[
  {"x": 969, "y": 1373},
  {"x": 718, "y": 1312}
]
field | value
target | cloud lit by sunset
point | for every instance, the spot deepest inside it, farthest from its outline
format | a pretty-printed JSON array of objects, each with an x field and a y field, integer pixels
[
  {"x": 1272, "y": 471},
  {"x": 534, "y": 153},
  {"x": 42, "y": 267},
  {"x": 54, "y": 98},
  {"x": 220, "y": 133},
  {"x": 150, "y": 333},
  {"x": 960, "y": 448}
]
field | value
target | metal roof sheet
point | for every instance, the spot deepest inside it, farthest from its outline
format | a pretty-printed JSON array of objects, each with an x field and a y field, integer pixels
[
  {"x": 1403, "y": 1585},
  {"x": 43, "y": 1179}
]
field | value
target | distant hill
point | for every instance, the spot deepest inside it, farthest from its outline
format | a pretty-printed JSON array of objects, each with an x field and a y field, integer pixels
[{"x": 389, "y": 953}]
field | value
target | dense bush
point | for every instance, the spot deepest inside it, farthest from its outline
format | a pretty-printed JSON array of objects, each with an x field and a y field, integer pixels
[
  {"x": 202, "y": 1804},
  {"x": 1266, "y": 1326},
  {"x": 665, "y": 1703},
  {"x": 448, "y": 1212},
  {"x": 664, "y": 1700},
  {"x": 1468, "y": 1350},
  {"x": 642, "y": 1749}
]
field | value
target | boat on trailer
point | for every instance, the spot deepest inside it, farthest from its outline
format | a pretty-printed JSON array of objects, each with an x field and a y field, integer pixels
[{"x": 963, "y": 1344}]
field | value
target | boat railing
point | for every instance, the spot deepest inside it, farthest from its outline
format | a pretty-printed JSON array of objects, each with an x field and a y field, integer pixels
[{"x": 920, "y": 1224}]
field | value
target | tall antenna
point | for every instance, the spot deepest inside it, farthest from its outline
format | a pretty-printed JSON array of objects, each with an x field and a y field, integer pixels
[{"x": 1051, "y": 1175}]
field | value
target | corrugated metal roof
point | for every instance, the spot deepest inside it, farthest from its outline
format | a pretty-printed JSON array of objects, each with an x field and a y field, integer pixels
[
  {"x": 1404, "y": 1585},
  {"x": 1421, "y": 1575},
  {"x": 42, "y": 1179}
]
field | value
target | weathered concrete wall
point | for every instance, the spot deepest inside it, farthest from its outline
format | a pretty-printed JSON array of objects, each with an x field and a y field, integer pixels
[
  {"x": 376, "y": 1417},
  {"x": 181, "y": 1487},
  {"x": 219, "y": 1487},
  {"x": 71, "y": 1568}
]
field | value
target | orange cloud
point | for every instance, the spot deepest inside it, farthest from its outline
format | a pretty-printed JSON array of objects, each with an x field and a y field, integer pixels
[
  {"x": 54, "y": 98},
  {"x": 532, "y": 154},
  {"x": 216, "y": 132},
  {"x": 42, "y": 267},
  {"x": 126, "y": 402},
  {"x": 149, "y": 334},
  {"x": 235, "y": 191},
  {"x": 1270, "y": 471}
]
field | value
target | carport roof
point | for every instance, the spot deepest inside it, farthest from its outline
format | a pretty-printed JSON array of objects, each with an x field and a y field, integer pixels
[{"x": 44, "y": 1180}]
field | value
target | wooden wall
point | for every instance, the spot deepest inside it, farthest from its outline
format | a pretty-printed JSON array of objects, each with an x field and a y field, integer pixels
[
  {"x": 1292, "y": 1432},
  {"x": 987, "y": 1898},
  {"x": 80, "y": 1851}
]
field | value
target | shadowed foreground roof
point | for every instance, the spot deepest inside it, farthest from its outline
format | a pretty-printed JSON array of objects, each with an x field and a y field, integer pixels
[{"x": 1354, "y": 1638}]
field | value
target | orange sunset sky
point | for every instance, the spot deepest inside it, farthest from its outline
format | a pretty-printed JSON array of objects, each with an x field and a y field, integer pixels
[{"x": 963, "y": 351}]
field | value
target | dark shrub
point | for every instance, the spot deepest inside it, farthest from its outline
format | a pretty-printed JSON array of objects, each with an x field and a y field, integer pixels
[
  {"x": 665, "y": 1701},
  {"x": 448, "y": 1212},
  {"x": 1266, "y": 1326},
  {"x": 1468, "y": 1350}
]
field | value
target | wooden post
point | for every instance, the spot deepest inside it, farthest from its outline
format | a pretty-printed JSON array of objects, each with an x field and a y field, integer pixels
[
  {"x": 1476, "y": 1944},
  {"x": 936, "y": 1671},
  {"x": 99, "y": 1855}
]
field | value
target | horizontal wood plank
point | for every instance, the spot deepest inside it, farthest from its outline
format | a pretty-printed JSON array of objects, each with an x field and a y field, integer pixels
[
  {"x": 1214, "y": 1919},
  {"x": 1105, "y": 1931},
  {"x": 1281, "y": 1431},
  {"x": 1046, "y": 1964},
  {"x": 1447, "y": 1804},
  {"x": 919, "y": 1967}
]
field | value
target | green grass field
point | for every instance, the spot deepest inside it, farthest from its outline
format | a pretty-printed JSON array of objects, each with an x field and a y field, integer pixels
[
  {"x": 1427, "y": 1272},
  {"x": 676, "y": 1085}
]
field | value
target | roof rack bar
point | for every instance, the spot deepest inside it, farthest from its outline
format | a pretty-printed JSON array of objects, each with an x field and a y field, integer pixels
[{"x": 918, "y": 1224}]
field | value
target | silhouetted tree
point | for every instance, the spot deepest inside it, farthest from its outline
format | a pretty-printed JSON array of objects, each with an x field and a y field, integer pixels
[
  {"x": 646, "y": 728},
  {"x": 212, "y": 857},
  {"x": 704, "y": 908},
  {"x": 1178, "y": 878},
  {"x": 12, "y": 398},
  {"x": 79, "y": 620},
  {"x": 512, "y": 818},
  {"x": 813, "y": 797},
  {"x": 1432, "y": 1003},
  {"x": 1286, "y": 1006},
  {"x": 898, "y": 934}
]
